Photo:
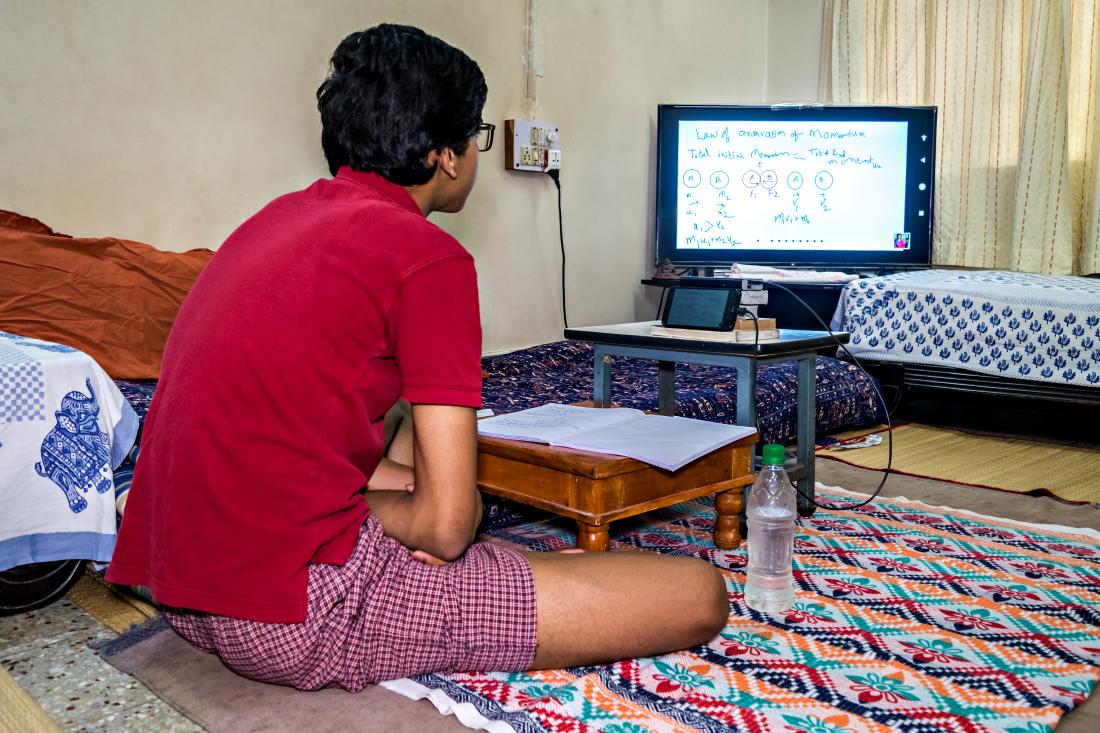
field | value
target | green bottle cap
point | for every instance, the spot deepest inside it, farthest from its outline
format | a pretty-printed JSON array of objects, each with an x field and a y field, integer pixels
[{"x": 774, "y": 455}]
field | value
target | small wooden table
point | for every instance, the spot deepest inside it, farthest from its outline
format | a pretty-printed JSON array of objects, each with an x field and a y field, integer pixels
[{"x": 595, "y": 489}]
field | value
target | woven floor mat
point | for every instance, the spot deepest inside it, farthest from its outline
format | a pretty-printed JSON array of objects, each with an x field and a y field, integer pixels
[{"x": 1069, "y": 473}]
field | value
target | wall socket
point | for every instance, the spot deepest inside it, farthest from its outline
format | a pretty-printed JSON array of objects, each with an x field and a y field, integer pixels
[{"x": 531, "y": 146}]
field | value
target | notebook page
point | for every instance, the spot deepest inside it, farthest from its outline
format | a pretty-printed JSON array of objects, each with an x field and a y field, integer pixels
[
  {"x": 666, "y": 442},
  {"x": 552, "y": 422}
]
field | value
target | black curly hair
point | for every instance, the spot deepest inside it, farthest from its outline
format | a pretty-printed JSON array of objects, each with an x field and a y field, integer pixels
[{"x": 392, "y": 95}]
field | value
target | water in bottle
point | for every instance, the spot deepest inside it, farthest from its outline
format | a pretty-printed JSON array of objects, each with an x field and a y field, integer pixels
[{"x": 769, "y": 587}]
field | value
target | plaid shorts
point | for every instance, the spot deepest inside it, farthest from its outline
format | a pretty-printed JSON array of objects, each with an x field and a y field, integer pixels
[{"x": 383, "y": 615}]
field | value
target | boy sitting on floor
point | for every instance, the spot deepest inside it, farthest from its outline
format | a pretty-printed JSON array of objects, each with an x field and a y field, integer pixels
[{"x": 249, "y": 516}]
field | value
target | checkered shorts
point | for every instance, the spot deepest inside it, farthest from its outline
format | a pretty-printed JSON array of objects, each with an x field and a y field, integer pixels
[{"x": 383, "y": 615}]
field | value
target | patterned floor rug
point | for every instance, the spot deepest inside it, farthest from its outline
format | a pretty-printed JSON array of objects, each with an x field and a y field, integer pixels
[{"x": 907, "y": 617}]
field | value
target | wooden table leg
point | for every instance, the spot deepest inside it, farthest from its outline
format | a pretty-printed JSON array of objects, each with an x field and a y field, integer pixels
[
  {"x": 727, "y": 506},
  {"x": 592, "y": 537}
]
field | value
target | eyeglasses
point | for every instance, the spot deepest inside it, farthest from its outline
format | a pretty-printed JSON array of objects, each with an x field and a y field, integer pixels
[{"x": 485, "y": 135}]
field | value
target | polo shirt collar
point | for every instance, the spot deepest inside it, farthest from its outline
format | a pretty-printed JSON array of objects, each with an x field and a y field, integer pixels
[{"x": 390, "y": 190}]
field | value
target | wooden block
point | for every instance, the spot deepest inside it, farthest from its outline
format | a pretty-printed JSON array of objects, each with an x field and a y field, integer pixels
[{"x": 746, "y": 324}]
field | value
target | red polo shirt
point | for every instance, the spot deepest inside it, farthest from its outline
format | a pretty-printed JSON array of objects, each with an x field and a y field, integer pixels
[{"x": 306, "y": 326}]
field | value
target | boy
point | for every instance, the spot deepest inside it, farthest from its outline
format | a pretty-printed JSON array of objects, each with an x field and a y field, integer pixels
[{"x": 249, "y": 516}]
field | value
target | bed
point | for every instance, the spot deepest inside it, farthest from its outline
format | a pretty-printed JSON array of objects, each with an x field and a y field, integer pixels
[
  {"x": 561, "y": 371},
  {"x": 1002, "y": 333},
  {"x": 75, "y": 312}
]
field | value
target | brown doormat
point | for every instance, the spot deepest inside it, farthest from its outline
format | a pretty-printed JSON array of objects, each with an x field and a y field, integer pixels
[
  {"x": 200, "y": 687},
  {"x": 1069, "y": 473}
]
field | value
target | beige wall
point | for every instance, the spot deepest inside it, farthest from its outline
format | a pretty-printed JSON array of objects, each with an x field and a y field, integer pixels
[
  {"x": 794, "y": 50},
  {"x": 171, "y": 122}
]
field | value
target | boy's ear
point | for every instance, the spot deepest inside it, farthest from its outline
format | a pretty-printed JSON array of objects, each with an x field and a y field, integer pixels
[{"x": 446, "y": 159}]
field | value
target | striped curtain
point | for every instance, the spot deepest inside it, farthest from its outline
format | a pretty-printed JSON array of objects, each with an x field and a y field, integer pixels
[{"x": 1017, "y": 83}]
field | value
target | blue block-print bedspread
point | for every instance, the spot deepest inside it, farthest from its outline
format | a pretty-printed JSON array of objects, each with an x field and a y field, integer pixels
[{"x": 1012, "y": 324}]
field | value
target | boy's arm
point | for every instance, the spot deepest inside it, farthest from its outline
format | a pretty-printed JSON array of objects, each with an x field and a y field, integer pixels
[
  {"x": 441, "y": 516},
  {"x": 391, "y": 475}
]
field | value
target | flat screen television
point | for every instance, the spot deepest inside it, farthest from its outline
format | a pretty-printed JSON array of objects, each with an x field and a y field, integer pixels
[{"x": 803, "y": 186}]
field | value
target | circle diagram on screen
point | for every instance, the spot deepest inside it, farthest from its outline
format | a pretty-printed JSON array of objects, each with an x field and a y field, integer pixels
[
  {"x": 692, "y": 178},
  {"x": 794, "y": 180},
  {"x": 719, "y": 179},
  {"x": 824, "y": 180},
  {"x": 751, "y": 179}
]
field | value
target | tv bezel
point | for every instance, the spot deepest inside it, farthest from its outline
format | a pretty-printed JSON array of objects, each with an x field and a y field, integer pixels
[{"x": 922, "y": 120}]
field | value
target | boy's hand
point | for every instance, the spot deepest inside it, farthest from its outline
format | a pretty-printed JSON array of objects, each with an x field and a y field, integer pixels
[
  {"x": 442, "y": 512},
  {"x": 427, "y": 558}
]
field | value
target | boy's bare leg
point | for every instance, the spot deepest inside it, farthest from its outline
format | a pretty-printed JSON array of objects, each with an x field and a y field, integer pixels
[{"x": 600, "y": 607}]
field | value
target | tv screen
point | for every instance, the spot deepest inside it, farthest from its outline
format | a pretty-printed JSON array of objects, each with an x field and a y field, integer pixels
[{"x": 825, "y": 186}]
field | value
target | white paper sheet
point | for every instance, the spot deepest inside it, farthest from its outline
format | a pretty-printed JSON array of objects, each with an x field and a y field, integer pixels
[
  {"x": 553, "y": 421},
  {"x": 663, "y": 441},
  {"x": 666, "y": 442}
]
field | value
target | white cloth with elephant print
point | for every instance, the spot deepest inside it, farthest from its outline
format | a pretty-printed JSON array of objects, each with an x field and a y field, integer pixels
[{"x": 64, "y": 428}]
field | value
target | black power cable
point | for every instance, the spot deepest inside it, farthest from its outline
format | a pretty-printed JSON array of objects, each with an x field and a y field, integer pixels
[
  {"x": 756, "y": 329},
  {"x": 555, "y": 174},
  {"x": 874, "y": 385}
]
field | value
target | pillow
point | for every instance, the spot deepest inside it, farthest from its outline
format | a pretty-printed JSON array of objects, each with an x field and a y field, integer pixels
[{"x": 111, "y": 298}]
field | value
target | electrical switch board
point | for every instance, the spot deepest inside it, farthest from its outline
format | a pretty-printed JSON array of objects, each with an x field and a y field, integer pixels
[{"x": 531, "y": 146}]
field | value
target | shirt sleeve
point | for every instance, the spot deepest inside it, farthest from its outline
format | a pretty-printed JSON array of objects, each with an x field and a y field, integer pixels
[{"x": 438, "y": 334}]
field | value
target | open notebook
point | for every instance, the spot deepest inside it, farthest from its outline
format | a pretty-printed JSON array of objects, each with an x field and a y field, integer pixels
[{"x": 665, "y": 442}]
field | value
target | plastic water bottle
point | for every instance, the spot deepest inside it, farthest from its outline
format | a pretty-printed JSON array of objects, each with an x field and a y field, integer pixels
[{"x": 770, "y": 518}]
